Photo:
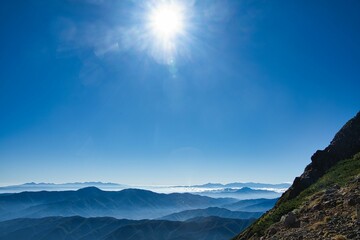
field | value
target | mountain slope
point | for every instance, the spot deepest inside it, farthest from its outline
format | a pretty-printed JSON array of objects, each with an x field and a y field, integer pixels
[
  {"x": 93, "y": 202},
  {"x": 60, "y": 228},
  {"x": 79, "y": 228},
  {"x": 324, "y": 201},
  {"x": 210, "y": 212},
  {"x": 210, "y": 228}
]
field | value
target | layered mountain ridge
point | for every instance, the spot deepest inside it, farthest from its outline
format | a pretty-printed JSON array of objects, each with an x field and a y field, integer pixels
[
  {"x": 211, "y": 212},
  {"x": 93, "y": 202},
  {"x": 79, "y": 228}
]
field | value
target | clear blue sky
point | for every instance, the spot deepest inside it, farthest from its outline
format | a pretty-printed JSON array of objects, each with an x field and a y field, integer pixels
[{"x": 254, "y": 88}]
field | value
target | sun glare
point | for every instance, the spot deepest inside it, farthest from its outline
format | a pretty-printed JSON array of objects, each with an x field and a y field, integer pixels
[
  {"x": 166, "y": 29},
  {"x": 167, "y": 21}
]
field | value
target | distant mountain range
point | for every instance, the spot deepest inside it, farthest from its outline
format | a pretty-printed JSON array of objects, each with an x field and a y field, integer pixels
[
  {"x": 115, "y": 186},
  {"x": 211, "y": 211},
  {"x": 60, "y": 187},
  {"x": 65, "y": 228},
  {"x": 90, "y": 213},
  {"x": 242, "y": 193},
  {"x": 241, "y": 185},
  {"x": 93, "y": 202}
]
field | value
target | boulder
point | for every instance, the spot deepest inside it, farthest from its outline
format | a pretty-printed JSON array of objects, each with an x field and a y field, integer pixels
[{"x": 289, "y": 220}]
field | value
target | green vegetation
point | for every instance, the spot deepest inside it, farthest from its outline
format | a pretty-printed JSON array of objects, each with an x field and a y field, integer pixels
[{"x": 340, "y": 174}]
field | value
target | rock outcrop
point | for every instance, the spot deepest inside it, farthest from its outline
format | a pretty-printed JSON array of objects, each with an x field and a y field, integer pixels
[{"x": 345, "y": 144}]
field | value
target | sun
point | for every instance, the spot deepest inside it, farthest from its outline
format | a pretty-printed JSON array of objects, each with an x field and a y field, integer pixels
[
  {"x": 167, "y": 21},
  {"x": 166, "y": 29}
]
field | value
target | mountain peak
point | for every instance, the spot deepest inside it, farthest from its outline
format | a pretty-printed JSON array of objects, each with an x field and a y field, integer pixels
[
  {"x": 345, "y": 144},
  {"x": 90, "y": 190}
]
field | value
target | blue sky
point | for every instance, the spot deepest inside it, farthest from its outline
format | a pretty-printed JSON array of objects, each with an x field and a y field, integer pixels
[{"x": 252, "y": 90}]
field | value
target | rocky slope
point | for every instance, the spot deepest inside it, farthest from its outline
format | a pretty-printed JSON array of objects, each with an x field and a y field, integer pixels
[
  {"x": 323, "y": 203},
  {"x": 329, "y": 214}
]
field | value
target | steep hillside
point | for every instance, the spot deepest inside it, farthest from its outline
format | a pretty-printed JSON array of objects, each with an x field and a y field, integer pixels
[
  {"x": 323, "y": 203},
  {"x": 345, "y": 145}
]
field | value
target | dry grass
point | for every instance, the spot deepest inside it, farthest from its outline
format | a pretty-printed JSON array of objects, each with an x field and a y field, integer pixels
[
  {"x": 339, "y": 237},
  {"x": 317, "y": 225}
]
